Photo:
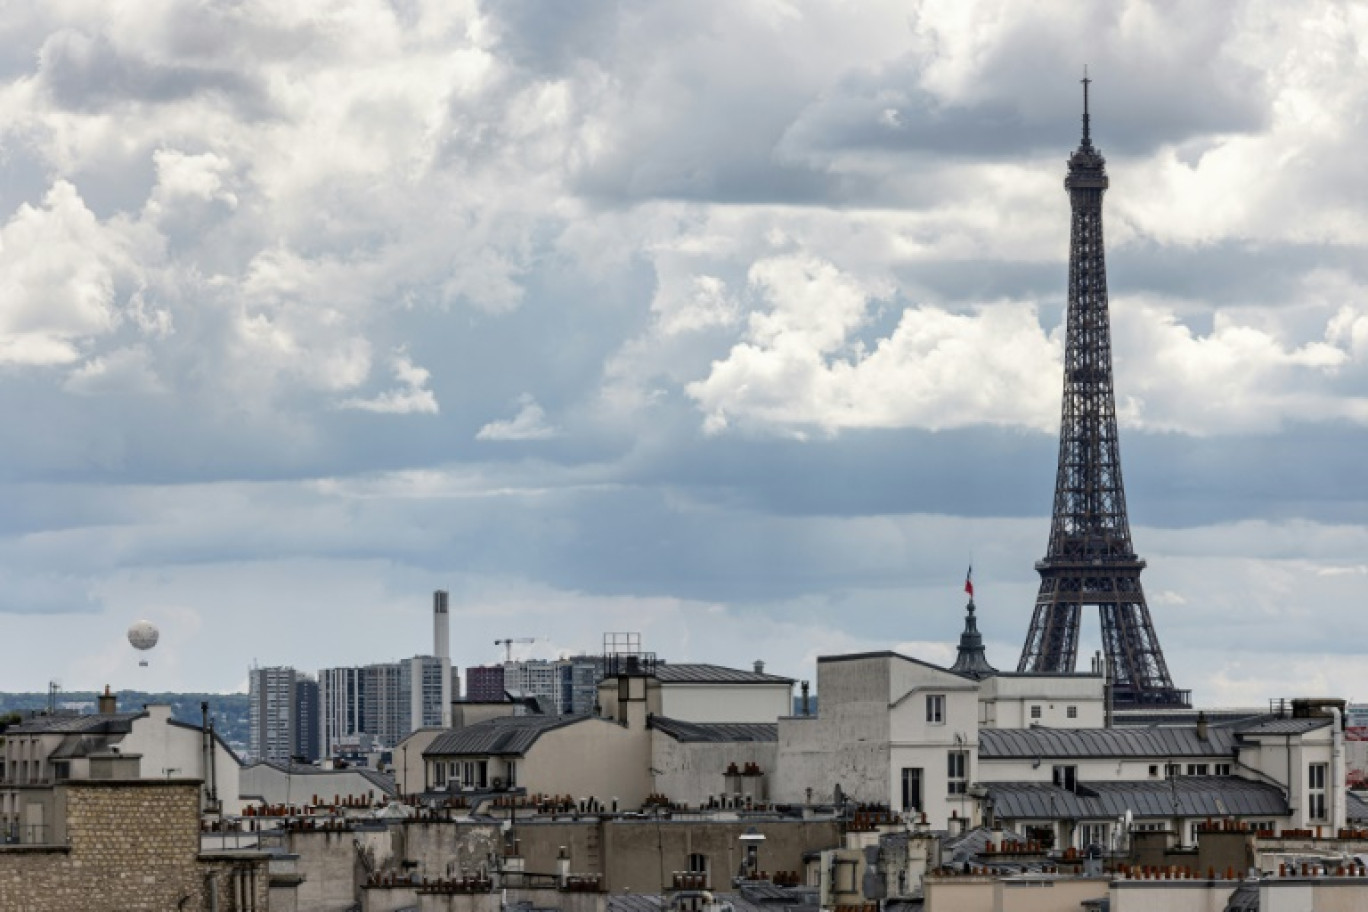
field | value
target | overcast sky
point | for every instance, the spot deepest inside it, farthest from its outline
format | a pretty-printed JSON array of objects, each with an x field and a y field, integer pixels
[{"x": 735, "y": 324}]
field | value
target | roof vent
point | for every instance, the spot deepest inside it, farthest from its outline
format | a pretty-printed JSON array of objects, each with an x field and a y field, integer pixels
[{"x": 759, "y": 667}]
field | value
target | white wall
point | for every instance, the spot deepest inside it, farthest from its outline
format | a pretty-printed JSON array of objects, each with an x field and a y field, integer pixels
[
  {"x": 174, "y": 751},
  {"x": 1006, "y": 701},
  {"x": 725, "y": 702}
]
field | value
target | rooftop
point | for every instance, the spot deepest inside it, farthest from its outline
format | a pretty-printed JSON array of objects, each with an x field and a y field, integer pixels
[
  {"x": 700, "y": 673},
  {"x": 1188, "y": 796},
  {"x": 90, "y": 723},
  {"x": 504, "y": 736},
  {"x": 1069, "y": 743},
  {"x": 716, "y": 732}
]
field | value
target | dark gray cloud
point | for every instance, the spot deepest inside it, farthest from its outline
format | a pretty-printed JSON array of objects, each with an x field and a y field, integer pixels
[{"x": 89, "y": 73}]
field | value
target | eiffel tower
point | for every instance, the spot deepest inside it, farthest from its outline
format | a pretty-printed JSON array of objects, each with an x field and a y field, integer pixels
[{"x": 1090, "y": 560}]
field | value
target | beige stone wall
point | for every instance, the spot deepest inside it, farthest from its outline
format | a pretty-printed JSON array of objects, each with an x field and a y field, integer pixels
[
  {"x": 131, "y": 846},
  {"x": 1174, "y": 896},
  {"x": 692, "y": 772},
  {"x": 448, "y": 848},
  {"x": 959, "y": 894},
  {"x": 593, "y": 758},
  {"x": 1027, "y": 894},
  {"x": 641, "y": 856},
  {"x": 330, "y": 866}
]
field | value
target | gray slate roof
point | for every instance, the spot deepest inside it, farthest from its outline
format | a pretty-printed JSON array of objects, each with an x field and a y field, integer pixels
[
  {"x": 1189, "y": 796},
  {"x": 1074, "y": 743},
  {"x": 89, "y": 723},
  {"x": 717, "y": 732},
  {"x": 508, "y": 736},
  {"x": 1355, "y": 808},
  {"x": 382, "y": 781},
  {"x": 699, "y": 673},
  {"x": 1283, "y": 726}
]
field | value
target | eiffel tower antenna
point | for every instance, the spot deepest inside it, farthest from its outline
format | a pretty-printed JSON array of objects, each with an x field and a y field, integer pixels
[{"x": 1089, "y": 559}]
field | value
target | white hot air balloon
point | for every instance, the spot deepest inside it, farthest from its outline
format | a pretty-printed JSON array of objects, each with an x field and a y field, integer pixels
[{"x": 143, "y": 636}]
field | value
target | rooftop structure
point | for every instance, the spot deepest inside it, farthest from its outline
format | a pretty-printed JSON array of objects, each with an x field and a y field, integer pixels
[{"x": 1090, "y": 560}]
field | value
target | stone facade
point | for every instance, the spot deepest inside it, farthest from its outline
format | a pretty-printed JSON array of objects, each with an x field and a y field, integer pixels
[{"x": 129, "y": 845}]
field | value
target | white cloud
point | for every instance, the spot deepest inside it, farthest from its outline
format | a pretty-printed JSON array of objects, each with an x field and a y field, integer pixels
[
  {"x": 529, "y": 424},
  {"x": 121, "y": 371},
  {"x": 61, "y": 277},
  {"x": 802, "y": 363},
  {"x": 411, "y": 397}
]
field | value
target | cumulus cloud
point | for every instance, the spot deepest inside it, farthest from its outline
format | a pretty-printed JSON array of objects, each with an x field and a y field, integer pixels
[
  {"x": 529, "y": 424},
  {"x": 411, "y": 397},
  {"x": 62, "y": 273},
  {"x": 832, "y": 235},
  {"x": 122, "y": 371},
  {"x": 802, "y": 364}
]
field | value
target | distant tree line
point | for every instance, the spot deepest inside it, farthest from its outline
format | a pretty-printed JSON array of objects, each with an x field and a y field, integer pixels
[{"x": 229, "y": 711}]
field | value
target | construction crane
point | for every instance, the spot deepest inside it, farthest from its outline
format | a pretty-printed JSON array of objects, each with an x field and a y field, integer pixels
[{"x": 507, "y": 644}]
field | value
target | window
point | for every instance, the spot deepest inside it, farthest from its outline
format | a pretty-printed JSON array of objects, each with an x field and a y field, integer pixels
[
  {"x": 935, "y": 709},
  {"x": 1071, "y": 712},
  {"x": 439, "y": 774},
  {"x": 1172, "y": 769},
  {"x": 698, "y": 864},
  {"x": 912, "y": 789},
  {"x": 1197, "y": 769},
  {"x": 1095, "y": 833},
  {"x": 1315, "y": 783},
  {"x": 1066, "y": 777},
  {"x": 957, "y": 772},
  {"x": 1154, "y": 769},
  {"x": 1222, "y": 769},
  {"x": 1035, "y": 712}
]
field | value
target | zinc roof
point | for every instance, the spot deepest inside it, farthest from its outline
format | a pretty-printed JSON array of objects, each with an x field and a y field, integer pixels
[
  {"x": 1355, "y": 808},
  {"x": 1285, "y": 726},
  {"x": 1071, "y": 743},
  {"x": 1188, "y": 796},
  {"x": 700, "y": 673},
  {"x": 719, "y": 732},
  {"x": 89, "y": 723},
  {"x": 504, "y": 736}
]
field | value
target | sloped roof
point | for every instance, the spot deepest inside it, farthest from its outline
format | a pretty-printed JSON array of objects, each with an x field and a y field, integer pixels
[
  {"x": 88, "y": 723},
  {"x": 1355, "y": 808},
  {"x": 501, "y": 736},
  {"x": 1072, "y": 743},
  {"x": 383, "y": 781},
  {"x": 701, "y": 673},
  {"x": 718, "y": 732},
  {"x": 1186, "y": 796},
  {"x": 1283, "y": 726}
]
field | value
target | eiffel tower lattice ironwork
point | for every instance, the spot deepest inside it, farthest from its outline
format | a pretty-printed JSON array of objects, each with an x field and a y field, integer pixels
[{"x": 1090, "y": 560}]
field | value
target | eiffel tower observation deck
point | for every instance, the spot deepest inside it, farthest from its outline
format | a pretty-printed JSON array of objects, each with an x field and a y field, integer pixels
[{"x": 1090, "y": 560}]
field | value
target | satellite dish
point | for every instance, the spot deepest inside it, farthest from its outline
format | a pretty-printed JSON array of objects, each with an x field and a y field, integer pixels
[{"x": 142, "y": 636}]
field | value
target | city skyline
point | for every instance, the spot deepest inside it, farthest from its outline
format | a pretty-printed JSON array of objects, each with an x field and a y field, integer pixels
[{"x": 738, "y": 326}]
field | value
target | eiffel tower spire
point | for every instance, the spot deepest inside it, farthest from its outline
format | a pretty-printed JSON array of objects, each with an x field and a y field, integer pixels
[{"x": 1089, "y": 559}]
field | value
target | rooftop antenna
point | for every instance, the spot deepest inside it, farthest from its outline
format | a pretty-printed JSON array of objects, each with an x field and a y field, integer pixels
[{"x": 1087, "y": 133}]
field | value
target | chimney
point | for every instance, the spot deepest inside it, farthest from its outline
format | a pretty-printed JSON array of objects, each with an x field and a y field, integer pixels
[
  {"x": 807, "y": 706},
  {"x": 759, "y": 667},
  {"x": 1201, "y": 725},
  {"x": 441, "y": 625},
  {"x": 109, "y": 704},
  {"x": 562, "y": 867},
  {"x": 441, "y": 648}
]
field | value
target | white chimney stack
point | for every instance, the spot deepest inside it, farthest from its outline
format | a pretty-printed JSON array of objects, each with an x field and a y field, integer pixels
[{"x": 441, "y": 648}]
